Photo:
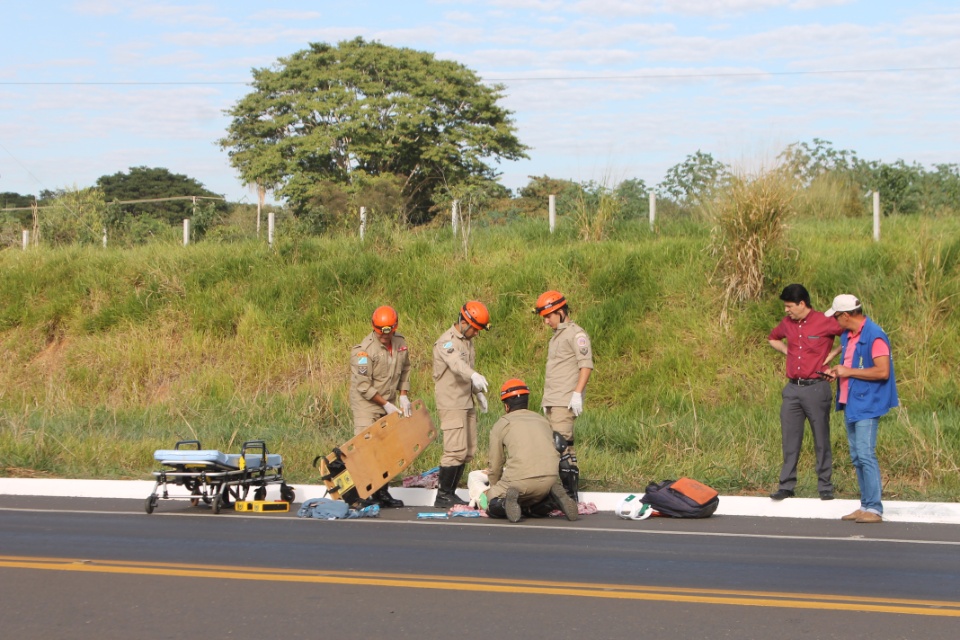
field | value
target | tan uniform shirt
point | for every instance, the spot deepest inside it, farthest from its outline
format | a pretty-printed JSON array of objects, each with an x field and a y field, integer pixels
[
  {"x": 568, "y": 353},
  {"x": 521, "y": 447},
  {"x": 453, "y": 360},
  {"x": 375, "y": 369}
]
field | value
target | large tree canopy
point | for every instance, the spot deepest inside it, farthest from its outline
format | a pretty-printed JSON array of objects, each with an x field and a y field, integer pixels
[
  {"x": 337, "y": 113},
  {"x": 143, "y": 183}
]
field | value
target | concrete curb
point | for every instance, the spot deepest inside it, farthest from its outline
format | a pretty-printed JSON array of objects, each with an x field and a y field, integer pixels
[{"x": 920, "y": 512}]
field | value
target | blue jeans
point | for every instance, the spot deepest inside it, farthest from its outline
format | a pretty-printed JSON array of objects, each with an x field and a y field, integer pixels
[{"x": 862, "y": 440}]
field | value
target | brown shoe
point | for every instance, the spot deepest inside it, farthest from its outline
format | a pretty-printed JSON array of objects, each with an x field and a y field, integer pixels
[
  {"x": 851, "y": 517},
  {"x": 870, "y": 517}
]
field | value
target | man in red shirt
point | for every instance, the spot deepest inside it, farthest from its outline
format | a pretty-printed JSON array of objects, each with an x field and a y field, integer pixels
[{"x": 807, "y": 395}]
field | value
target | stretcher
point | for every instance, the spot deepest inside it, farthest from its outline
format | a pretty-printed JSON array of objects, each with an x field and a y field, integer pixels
[
  {"x": 371, "y": 459},
  {"x": 216, "y": 478}
]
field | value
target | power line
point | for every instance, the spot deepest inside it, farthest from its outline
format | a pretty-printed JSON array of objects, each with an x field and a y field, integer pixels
[
  {"x": 121, "y": 84},
  {"x": 649, "y": 76},
  {"x": 733, "y": 74}
]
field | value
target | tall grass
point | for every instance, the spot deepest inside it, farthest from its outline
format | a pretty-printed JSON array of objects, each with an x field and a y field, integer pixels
[
  {"x": 112, "y": 354},
  {"x": 750, "y": 218}
]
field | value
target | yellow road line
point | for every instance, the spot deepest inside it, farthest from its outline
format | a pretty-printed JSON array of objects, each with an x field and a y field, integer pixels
[{"x": 494, "y": 585}]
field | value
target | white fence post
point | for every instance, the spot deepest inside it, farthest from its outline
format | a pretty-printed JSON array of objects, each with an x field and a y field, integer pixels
[
  {"x": 104, "y": 237},
  {"x": 26, "y": 239},
  {"x": 455, "y": 215},
  {"x": 653, "y": 209},
  {"x": 552, "y": 201},
  {"x": 186, "y": 231},
  {"x": 363, "y": 221},
  {"x": 876, "y": 216},
  {"x": 271, "y": 225}
]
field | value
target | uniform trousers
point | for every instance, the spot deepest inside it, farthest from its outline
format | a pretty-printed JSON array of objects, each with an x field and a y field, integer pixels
[
  {"x": 459, "y": 428},
  {"x": 561, "y": 420},
  {"x": 532, "y": 490}
]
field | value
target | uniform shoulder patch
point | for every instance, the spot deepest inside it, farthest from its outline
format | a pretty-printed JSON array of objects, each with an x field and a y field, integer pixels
[{"x": 362, "y": 357}]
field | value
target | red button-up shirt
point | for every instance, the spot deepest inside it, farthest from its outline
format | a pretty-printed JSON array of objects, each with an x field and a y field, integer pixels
[{"x": 808, "y": 342}]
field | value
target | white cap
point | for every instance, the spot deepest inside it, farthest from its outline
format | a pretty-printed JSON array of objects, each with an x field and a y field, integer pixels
[{"x": 843, "y": 302}]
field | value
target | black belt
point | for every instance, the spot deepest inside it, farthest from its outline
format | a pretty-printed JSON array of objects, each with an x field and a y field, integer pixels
[{"x": 804, "y": 382}]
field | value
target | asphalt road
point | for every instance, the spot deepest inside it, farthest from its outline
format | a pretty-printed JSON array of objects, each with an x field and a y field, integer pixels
[{"x": 82, "y": 568}]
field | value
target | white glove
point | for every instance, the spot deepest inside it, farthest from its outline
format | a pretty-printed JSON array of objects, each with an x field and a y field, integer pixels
[
  {"x": 479, "y": 382},
  {"x": 406, "y": 406},
  {"x": 390, "y": 408},
  {"x": 482, "y": 399},
  {"x": 576, "y": 404},
  {"x": 477, "y": 484}
]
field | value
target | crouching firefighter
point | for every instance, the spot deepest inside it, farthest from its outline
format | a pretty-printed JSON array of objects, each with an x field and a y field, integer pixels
[{"x": 523, "y": 462}]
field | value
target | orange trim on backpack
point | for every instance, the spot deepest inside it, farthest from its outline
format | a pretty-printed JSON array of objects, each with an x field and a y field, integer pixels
[{"x": 696, "y": 491}]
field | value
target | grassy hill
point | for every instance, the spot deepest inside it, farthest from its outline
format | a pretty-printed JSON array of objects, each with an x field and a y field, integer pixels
[{"x": 111, "y": 354}]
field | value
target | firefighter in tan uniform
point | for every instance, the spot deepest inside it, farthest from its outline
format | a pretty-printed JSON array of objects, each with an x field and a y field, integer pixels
[
  {"x": 523, "y": 461},
  {"x": 569, "y": 365},
  {"x": 380, "y": 380},
  {"x": 455, "y": 383}
]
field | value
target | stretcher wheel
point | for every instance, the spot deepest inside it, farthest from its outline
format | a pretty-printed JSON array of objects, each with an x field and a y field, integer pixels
[
  {"x": 287, "y": 494},
  {"x": 260, "y": 494},
  {"x": 217, "y": 503},
  {"x": 150, "y": 503}
]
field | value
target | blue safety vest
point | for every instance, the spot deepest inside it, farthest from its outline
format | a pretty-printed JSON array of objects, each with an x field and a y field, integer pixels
[{"x": 867, "y": 398}]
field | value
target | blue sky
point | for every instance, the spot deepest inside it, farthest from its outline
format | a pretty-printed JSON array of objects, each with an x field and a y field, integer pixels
[{"x": 600, "y": 89}]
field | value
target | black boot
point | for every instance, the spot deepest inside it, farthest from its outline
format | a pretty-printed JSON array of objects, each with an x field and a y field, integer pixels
[
  {"x": 386, "y": 500},
  {"x": 542, "y": 509},
  {"x": 496, "y": 508},
  {"x": 456, "y": 482},
  {"x": 570, "y": 476},
  {"x": 447, "y": 487}
]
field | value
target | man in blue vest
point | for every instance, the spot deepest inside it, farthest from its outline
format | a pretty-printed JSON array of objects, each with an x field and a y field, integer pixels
[{"x": 867, "y": 391}]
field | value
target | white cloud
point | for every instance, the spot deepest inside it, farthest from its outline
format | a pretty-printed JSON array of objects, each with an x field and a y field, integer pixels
[
  {"x": 274, "y": 15},
  {"x": 810, "y": 5},
  {"x": 101, "y": 7}
]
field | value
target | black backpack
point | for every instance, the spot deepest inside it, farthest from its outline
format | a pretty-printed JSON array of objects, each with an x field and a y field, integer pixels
[{"x": 683, "y": 498}]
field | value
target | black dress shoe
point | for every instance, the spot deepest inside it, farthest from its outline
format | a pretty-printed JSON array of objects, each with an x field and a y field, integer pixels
[
  {"x": 780, "y": 494},
  {"x": 826, "y": 495}
]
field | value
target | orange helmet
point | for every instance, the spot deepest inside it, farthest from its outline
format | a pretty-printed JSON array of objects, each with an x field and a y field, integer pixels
[
  {"x": 385, "y": 320},
  {"x": 476, "y": 315},
  {"x": 514, "y": 387},
  {"x": 550, "y": 301}
]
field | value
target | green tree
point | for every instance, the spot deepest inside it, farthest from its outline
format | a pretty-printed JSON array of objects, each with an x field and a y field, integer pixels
[
  {"x": 144, "y": 183},
  {"x": 899, "y": 184},
  {"x": 533, "y": 197},
  {"x": 332, "y": 113},
  {"x": 693, "y": 182},
  {"x": 9, "y": 200},
  {"x": 73, "y": 216},
  {"x": 806, "y": 162},
  {"x": 634, "y": 196}
]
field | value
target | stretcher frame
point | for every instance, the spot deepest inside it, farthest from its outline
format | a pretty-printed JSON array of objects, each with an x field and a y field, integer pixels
[{"x": 217, "y": 483}]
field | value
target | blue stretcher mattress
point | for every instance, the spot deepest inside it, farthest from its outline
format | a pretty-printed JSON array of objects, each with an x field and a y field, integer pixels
[{"x": 212, "y": 457}]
